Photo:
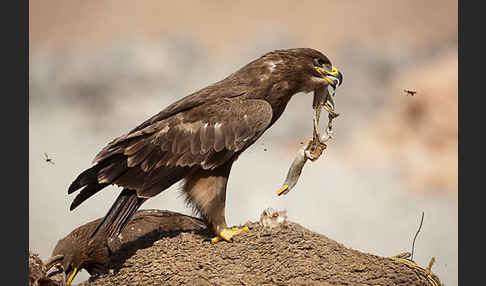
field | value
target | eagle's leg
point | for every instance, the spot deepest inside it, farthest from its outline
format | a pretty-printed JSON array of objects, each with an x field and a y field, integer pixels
[{"x": 206, "y": 191}]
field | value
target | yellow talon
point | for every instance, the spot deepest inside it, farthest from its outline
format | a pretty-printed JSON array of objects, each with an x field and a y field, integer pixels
[
  {"x": 227, "y": 234},
  {"x": 282, "y": 189}
]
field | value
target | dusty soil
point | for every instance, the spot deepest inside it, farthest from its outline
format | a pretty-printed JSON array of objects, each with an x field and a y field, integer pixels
[{"x": 287, "y": 254}]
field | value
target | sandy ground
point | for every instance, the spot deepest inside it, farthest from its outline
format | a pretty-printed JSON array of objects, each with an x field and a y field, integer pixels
[{"x": 98, "y": 68}]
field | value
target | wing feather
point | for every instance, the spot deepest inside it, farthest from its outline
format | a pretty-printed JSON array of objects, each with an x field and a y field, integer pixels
[
  {"x": 135, "y": 147},
  {"x": 210, "y": 135},
  {"x": 109, "y": 173},
  {"x": 149, "y": 163},
  {"x": 170, "y": 144},
  {"x": 218, "y": 137},
  {"x": 137, "y": 158},
  {"x": 196, "y": 142},
  {"x": 206, "y": 136},
  {"x": 229, "y": 137}
]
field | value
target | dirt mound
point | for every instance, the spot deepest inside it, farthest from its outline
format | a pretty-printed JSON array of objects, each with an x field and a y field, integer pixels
[{"x": 276, "y": 254}]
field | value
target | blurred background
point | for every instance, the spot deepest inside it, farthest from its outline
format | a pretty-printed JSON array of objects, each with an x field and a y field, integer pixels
[{"x": 99, "y": 68}]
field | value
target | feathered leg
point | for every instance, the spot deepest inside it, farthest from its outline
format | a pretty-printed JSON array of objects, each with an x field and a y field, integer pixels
[{"x": 206, "y": 191}]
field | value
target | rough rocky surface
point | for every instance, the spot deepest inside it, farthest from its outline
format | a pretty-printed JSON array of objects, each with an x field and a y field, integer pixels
[{"x": 285, "y": 254}]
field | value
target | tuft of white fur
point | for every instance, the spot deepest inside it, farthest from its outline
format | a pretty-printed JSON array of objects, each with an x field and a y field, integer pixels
[{"x": 272, "y": 218}]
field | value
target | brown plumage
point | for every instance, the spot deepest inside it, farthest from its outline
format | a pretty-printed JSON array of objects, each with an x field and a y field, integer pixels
[
  {"x": 78, "y": 251},
  {"x": 198, "y": 137}
]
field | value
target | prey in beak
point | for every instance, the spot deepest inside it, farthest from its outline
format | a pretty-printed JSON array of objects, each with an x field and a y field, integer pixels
[
  {"x": 335, "y": 78},
  {"x": 323, "y": 97}
]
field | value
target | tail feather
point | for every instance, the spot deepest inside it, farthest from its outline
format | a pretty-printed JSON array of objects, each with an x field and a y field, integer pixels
[
  {"x": 86, "y": 193},
  {"x": 90, "y": 176},
  {"x": 119, "y": 214},
  {"x": 86, "y": 177}
]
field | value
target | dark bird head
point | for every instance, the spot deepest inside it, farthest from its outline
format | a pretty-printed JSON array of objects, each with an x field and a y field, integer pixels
[
  {"x": 313, "y": 68},
  {"x": 76, "y": 252},
  {"x": 280, "y": 74},
  {"x": 302, "y": 69}
]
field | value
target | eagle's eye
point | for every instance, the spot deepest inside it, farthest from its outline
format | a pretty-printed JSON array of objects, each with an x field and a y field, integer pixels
[{"x": 318, "y": 62}]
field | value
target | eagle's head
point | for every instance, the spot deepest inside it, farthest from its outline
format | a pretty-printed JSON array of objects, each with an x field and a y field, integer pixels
[
  {"x": 283, "y": 73},
  {"x": 74, "y": 253},
  {"x": 307, "y": 68}
]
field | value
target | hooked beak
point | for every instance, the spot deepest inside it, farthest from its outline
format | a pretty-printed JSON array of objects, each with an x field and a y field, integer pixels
[
  {"x": 71, "y": 277},
  {"x": 334, "y": 77}
]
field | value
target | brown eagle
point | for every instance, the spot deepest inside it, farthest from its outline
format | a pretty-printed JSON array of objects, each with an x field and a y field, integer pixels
[
  {"x": 197, "y": 138},
  {"x": 78, "y": 251}
]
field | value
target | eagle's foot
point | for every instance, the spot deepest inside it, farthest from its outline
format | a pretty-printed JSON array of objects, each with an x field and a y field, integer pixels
[{"x": 227, "y": 234}]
